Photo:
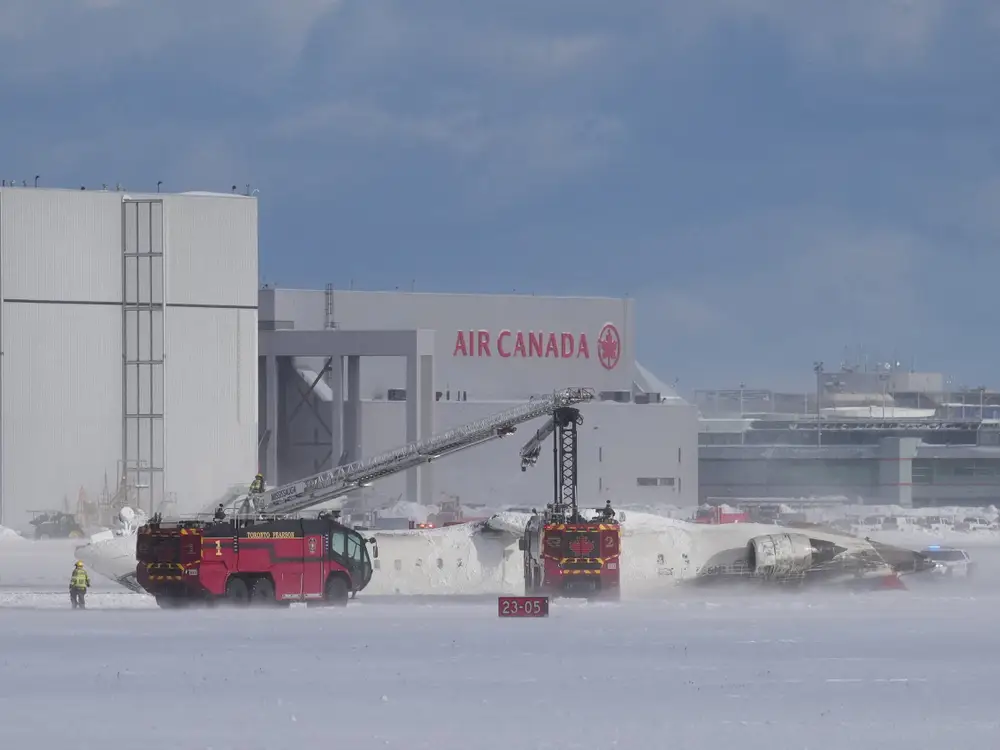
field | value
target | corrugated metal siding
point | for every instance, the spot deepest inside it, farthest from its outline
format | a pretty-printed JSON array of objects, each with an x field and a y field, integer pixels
[
  {"x": 481, "y": 376},
  {"x": 61, "y": 244},
  {"x": 211, "y": 402},
  {"x": 62, "y": 393},
  {"x": 61, "y": 404},
  {"x": 211, "y": 250}
]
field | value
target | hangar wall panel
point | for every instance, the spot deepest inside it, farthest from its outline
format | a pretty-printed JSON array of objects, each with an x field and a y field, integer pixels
[
  {"x": 622, "y": 448},
  {"x": 211, "y": 402},
  {"x": 61, "y": 245},
  {"x": 61, "y": 404},
  {"x": 211, "y": 251},
  {"x": 487, "y": 362},
  {"x": 62, "y": 389}
]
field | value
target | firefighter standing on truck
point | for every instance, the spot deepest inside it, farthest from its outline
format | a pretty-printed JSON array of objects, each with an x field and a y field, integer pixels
[
  {"x": 79, "y": 582},
  {"x": 257, "y": 485}
]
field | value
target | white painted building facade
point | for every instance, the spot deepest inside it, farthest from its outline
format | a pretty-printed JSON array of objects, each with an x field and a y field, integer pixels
[
  {"x": 489, "y": 352},
  {"x": 129, "y": 346}
]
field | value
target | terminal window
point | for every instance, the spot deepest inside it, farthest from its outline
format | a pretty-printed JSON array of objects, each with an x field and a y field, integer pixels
[{"x": 655, "y": 481}]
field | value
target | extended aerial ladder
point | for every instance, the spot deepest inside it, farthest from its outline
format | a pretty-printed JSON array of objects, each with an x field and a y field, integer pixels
[
  {"x": 563, "y": 552},
  {"x": 563, "y": 423},
  {"x": 328, "y": 485}
]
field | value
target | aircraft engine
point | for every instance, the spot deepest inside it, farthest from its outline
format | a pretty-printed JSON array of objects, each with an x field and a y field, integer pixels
[{"x": 780, "y": 555}]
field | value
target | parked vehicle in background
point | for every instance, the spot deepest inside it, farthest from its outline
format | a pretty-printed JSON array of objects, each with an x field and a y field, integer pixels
[
  {"x": 936, "y": 524},
  {"x": 54, "y": 524},
  {"x": 950, "y": 562},
  {"x": 979, "y": 524}
]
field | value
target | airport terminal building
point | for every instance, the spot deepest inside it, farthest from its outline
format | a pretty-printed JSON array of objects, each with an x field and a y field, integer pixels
[{"x": 881, "y": 435}]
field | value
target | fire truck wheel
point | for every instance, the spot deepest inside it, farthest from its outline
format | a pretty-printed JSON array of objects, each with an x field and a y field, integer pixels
[
  {"x": 336, "y": 591},
  {"x": 262, "y": 593},
  {"x": 237, "y": 592},
  {"x": 531, "y": 580}
]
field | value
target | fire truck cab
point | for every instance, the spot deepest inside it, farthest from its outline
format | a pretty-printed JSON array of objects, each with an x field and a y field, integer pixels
[{"x": 258, "y": 561}]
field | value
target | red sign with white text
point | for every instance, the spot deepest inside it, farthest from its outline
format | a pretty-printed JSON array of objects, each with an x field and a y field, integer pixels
[
  {"x": 523, "y": 606},
  {"x": 539, "y": 345}
]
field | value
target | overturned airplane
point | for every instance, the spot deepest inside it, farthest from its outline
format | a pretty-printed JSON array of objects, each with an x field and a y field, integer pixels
[
  {"x": 804, "y": 554},
  {"x": 658, "y": 554}
]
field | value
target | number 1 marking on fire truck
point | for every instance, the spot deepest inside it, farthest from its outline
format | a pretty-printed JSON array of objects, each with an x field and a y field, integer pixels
[{"x": 218, "y": 548}]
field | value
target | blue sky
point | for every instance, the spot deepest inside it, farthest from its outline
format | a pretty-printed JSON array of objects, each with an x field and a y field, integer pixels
[{"x": 772, "y": 180}]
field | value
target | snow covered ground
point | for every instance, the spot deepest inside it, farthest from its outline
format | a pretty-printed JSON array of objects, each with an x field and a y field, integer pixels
[
  {"x": 461, "y": 559},
  {"x": 39, "y": 566},
  {"x": 693, "y": 668},
  {"x": 824, "y": 672}
]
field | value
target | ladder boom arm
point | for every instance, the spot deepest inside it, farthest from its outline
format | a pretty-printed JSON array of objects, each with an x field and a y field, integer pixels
[
  {"x": 533, "y": 448},
  {"x": 326, "y": 485}
]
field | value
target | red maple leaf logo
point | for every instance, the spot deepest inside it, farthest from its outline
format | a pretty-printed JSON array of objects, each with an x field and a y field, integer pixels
[
  {"x": 581, "y": 546},
  {"x": 609, "y": 347}
]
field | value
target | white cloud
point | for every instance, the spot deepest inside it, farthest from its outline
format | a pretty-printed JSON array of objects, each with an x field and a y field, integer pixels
[
  {"x": 73, "y": 37},
  {"x": 505, "y": 156},
  {"x": 984, "y": 213},
  {"x": 477, "y": 41},
  {"x": 497, "y": 96},
  {"x": 875, "y": 34},
  {"x": 781, "y": 289},
  {"x": 463, "y": 131},
  {"x": 820, "y": 283},
  {"x": 60, "y": 36}
]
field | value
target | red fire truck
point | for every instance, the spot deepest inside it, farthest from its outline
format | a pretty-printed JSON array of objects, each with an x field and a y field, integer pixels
[
  {"x": 576, "y": 558},
  {"x": 566, "y": 554},
  {"x": 256, "y": 561},
  {"x": 266, "y": 552}
]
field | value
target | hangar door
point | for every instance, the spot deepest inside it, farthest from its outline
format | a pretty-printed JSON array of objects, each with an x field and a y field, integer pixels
[{"x": 142, "y": 349}]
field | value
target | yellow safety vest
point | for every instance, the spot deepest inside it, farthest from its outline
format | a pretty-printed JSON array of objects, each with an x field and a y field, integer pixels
[{"x": 79, "y": 579}]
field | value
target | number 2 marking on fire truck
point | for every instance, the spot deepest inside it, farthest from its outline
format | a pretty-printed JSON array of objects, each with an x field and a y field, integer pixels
[{"x": 218, "y": 548}]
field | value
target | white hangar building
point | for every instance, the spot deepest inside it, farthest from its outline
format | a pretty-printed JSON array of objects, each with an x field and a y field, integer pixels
[
  {"x": 129, "y": 347},
  {"x": 133, "y": 355},
  {"x": 412, "y": 364}
]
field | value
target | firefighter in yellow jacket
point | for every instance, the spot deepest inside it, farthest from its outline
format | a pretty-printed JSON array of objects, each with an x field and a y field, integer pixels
[
  {"x": 257, "y": 485},
  {"x": 79, "y": 582}
]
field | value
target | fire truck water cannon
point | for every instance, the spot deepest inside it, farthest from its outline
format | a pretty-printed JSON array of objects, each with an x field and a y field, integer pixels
[
  {"x": 566, "y": 554},
  {"x": 265, "y": 553}
]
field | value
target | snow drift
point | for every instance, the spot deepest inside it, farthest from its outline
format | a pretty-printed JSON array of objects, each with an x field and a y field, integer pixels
[{"x": 9, "y": 535}]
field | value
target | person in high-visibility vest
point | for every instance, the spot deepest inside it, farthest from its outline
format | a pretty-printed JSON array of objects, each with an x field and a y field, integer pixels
[
  {"x": 257, "y": 485},
  {"x": 79, "y": 582}
]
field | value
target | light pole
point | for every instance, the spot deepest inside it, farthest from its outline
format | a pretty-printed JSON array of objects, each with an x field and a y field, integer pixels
[{"x": 818, "y": 369}]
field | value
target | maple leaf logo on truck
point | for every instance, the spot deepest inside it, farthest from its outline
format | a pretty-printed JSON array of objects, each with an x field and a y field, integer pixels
[
  {"x": 581, "y": 546},
  {"x": 609, "y": 347}
]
